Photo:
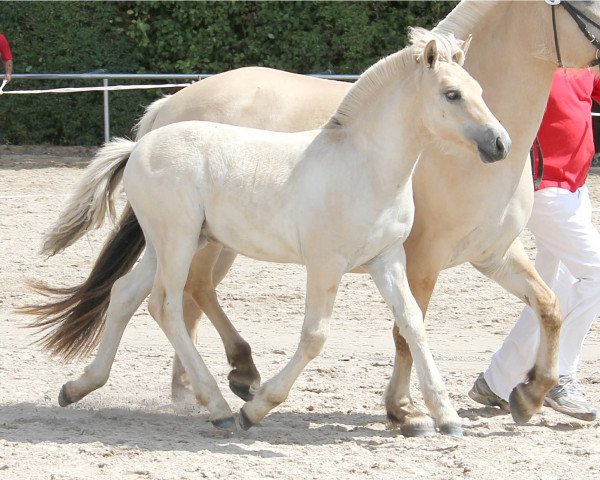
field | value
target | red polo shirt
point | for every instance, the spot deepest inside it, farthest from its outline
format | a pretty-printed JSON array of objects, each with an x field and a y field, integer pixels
[
  {"x": 5, "y": 52},
  {"x": 565, "y": 134}
]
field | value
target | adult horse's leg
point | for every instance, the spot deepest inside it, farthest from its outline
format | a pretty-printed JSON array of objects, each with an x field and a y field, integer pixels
[
  {"x": 127, "y": 294},
  {"x": 422, "y": 272},
  {"x": 321, "y": 288},
  {"x": 200, "y": 296},
  {"x": 208, "y": 269},
  {"x": 389, "y": 273},
  {"x": 516, "y": 273}
]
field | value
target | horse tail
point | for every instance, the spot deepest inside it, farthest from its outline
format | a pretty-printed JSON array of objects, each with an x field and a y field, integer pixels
[
  {"x": 146, "y": 122},
  {"x": 75, "y": 317},
  {"x": 93, "y": 198}
]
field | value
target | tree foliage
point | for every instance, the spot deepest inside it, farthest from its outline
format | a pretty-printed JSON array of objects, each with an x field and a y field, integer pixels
[{"x": 180, "y": 37}]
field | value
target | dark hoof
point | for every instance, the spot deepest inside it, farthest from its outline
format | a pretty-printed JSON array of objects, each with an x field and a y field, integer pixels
[
  {"x": 245, "y": 422},
  {"x": 242, "y": 391},
  {"x": 63, "y": 399},
  {"x": 452, "y": 429},
  {"x": 520, "y": 408},
  {"x": 227, "y": 424}
]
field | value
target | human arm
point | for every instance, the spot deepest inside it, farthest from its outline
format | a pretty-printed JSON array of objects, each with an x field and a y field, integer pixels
[{"x": 8, "y": 66}]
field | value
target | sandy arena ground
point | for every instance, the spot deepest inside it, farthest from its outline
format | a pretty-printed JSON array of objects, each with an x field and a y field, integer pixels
[{"x": 333, "y": 425}]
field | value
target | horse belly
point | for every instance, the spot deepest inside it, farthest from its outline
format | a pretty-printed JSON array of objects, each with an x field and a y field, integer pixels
[{"x": 254, "y": 233}]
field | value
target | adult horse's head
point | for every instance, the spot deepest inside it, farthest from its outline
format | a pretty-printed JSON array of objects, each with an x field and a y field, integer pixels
[
  {"x": 571, "y": 32},
  {"x": 454, "y": 110}
]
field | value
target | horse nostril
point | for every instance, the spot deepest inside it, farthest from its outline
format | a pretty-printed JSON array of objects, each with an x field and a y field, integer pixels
[{"x": 500, "y": 145}]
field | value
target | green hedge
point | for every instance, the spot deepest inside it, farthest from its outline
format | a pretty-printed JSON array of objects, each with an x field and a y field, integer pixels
[{"x": 180, "y": 37}]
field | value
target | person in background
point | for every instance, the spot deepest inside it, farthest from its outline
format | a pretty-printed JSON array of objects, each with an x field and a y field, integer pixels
[
  {"x": 7, "y": 58},
  {"x": 568, "y": 251}
]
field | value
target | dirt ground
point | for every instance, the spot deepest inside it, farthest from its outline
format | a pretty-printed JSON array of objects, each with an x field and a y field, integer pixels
[{"x": 333, "y": 425}]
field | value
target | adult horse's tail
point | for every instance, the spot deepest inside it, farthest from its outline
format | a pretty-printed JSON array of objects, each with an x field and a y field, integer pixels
[
  {"x": 75, "y": 316},
  {"x": 146, "y": 122}
]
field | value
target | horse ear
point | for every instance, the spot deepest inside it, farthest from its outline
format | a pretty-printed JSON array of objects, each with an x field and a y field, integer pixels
[
  {"x": 430, "y": 54},
  {"x": 459, "y": 55},
  {"x": 466, "y": 44}
]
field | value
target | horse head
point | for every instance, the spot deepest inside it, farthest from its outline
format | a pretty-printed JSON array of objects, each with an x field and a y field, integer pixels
[{"x": 454, "y": 110}]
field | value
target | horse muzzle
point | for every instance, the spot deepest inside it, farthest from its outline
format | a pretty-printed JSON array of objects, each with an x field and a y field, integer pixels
[{"x": 493, "y": 144}]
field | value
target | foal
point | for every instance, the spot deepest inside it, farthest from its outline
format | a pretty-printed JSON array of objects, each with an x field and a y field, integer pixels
[{"x": 335, "y": 199}]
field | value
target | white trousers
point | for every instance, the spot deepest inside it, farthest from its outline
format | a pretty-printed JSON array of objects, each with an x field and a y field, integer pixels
[{"x": 568, "y": 259}]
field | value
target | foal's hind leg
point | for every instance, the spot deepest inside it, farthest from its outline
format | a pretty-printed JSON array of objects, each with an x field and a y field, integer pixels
[
  {"x": 127, "y": 294},
  {"x": 209, "y": 267},
  {"x": 175, "y": 247},
  {"x": 516, "y": 273}
]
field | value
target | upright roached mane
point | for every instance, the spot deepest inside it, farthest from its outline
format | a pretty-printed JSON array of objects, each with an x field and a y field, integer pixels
[{"x": 390, "y": 68}]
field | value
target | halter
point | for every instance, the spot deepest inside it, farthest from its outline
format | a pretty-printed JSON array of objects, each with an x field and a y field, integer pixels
[{"x": 582, "y": 21}]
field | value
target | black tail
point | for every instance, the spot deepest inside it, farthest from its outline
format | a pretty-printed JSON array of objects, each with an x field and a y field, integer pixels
[{"x": 76, "y": 315}]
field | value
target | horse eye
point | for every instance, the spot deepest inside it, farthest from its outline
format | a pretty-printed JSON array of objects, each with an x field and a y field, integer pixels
[{"x": 452, "y": 95}]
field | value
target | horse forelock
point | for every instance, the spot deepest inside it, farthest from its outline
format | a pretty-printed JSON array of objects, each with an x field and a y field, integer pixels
[{"x": 390, "y": 69}]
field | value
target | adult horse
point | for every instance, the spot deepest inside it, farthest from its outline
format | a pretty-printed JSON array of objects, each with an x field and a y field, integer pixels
[
  {"x": 513, "y": 59},
  {"x": 333, "y": 199}
]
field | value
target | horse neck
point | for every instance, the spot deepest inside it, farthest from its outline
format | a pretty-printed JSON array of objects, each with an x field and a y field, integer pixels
[
  {"x": 504, "y": 58},
  {"x": 387, "y": 137}
]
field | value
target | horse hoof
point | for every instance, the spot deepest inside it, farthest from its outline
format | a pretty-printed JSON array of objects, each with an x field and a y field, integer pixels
[
  {"x": 416, "y": 427},
  {"x": 245, "y": 422},
  {"x": 452, "y": 429},
  {"x": 520, "y": 408},
  {"x": 242, "y": 391},
  {"x": 228, "y": 424},
  {"x": 63, "y": 398}
]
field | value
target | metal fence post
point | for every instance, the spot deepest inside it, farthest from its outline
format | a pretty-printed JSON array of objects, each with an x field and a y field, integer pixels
[{"x": 106, "y": 112}]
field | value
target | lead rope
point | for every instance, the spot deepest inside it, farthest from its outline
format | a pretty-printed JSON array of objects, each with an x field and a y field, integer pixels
[
  {"x": 537, "y": 179},
  {"x": 558, "y": 57}
]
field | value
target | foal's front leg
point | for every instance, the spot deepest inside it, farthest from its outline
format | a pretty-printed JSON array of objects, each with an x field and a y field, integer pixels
[
  {"x": 389, "y": 273},
  {"x": 322, "y": 283}
]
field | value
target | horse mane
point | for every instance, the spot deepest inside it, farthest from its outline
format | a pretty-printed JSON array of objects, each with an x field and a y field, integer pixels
[
  {"x": 390, "y": 69},
  {"x": 461, "y": 20}
]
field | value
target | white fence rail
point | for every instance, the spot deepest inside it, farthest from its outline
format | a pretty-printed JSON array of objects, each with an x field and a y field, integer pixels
[{"x": 105, "y": 78}]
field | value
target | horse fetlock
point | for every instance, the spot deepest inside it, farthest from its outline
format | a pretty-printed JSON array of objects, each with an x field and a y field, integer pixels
[
  {"x": 94, "y": 378},
  {"x": 398, "y": 409},
  {"x": 240, "y": 355},
  {"x": 219, "y": 409}
]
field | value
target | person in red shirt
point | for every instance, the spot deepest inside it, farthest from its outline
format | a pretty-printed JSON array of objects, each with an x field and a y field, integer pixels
[
  {"x": 7, "y": 58},
  {"x": 568, "y": 250}
]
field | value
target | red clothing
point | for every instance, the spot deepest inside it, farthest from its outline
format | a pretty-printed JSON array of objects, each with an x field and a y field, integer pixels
[
  {"x": 5, "y": 52},
  {"x": 565, "y": 134}
]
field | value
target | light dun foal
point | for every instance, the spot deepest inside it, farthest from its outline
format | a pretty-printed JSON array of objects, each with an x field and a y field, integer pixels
[{"x": 336, "y": 199}]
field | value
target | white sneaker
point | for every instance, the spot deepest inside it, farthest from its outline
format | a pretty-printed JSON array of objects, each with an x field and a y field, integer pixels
[{"x": 566, "y": 397}]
